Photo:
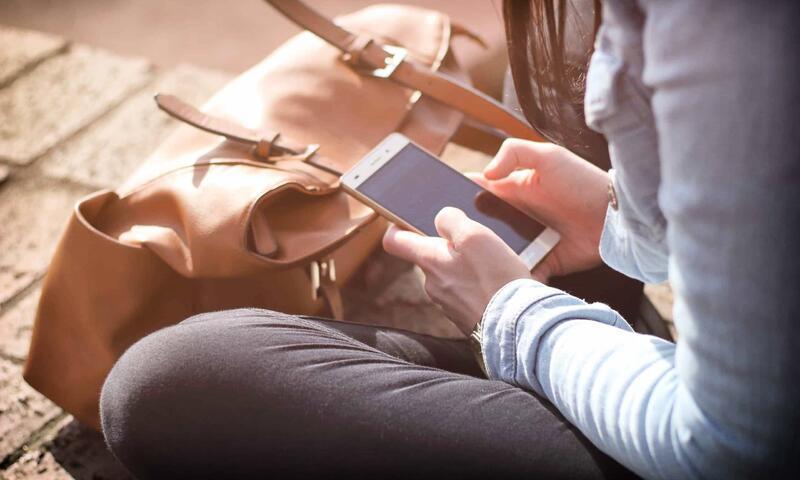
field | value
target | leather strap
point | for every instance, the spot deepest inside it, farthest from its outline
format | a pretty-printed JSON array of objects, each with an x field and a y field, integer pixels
[
  {"x": 371, "y": 55},
  {"x": 333, "y": 296},
  {"x": 269, "y": 146},
  {"x": 262, "y": 141}
]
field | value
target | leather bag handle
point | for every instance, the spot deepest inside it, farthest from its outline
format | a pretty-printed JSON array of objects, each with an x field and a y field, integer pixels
[
  {"x": 371, "y": 57},
  {"x": 263, "y": 141},
  {"x": 266, "y": 145}
]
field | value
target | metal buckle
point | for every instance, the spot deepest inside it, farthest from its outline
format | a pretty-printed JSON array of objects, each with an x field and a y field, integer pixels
[
  {"x": 317, "y": 271},
  {"x": 395, "y": 57}
]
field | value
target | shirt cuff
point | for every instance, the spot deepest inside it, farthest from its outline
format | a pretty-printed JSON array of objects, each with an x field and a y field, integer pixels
[
  {"x": 516, "y": 321},
  {"x": 626, "y": 253}
]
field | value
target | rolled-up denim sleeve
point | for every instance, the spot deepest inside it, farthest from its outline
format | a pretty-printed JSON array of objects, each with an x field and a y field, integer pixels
[
  {"x": 517, "y": 320},
  {"x": 617, "y": 386}
]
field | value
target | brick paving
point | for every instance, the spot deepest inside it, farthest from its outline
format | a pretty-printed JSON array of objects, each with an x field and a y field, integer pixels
[{"x": 74, "y": 119}]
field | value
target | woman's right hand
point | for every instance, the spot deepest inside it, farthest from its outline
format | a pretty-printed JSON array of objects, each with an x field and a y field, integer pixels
[{"x": 559, "y": 188}]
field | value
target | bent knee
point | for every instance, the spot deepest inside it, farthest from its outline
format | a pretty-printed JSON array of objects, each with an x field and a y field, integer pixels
[
  {"x": 162, "y": 374},
  {"x": 179, "y": 392},
  {"x": 180, "y": 355},
  {"x": 142, "y": 384}
]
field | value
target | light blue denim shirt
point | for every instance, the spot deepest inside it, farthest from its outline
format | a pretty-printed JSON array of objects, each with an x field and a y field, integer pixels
[{"x": 699, "y": 102}]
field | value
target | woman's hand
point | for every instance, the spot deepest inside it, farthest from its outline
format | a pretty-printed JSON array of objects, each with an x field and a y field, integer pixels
[
  {"x": 561, "y": 189},
  {"x": 464, "y": 267}
]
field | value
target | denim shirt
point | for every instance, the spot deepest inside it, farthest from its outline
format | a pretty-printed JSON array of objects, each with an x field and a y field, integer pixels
[{"x": 699, "y": 102}]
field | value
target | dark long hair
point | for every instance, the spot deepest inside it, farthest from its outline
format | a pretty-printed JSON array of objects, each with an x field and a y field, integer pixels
[{"x": 549, "y": 45}]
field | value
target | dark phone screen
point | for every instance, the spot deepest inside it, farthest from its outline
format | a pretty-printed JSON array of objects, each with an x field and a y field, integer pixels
[{"x": 415, "y": 185}]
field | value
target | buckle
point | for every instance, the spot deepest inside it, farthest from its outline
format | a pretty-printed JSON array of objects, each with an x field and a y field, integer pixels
[{"x": 395, "y": 56}]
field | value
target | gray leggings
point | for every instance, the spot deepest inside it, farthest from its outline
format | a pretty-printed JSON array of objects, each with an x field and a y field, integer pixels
[{"x": 259, "y": 394}]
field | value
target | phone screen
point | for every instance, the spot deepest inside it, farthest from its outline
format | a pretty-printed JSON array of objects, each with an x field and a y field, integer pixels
[{"x": 415, "y": 186}]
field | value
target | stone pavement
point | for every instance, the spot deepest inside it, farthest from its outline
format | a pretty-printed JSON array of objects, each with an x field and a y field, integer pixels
[{"x": 74, "y": 119}]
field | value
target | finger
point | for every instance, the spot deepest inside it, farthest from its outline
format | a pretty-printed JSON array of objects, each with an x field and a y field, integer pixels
[
  {"x": 541, "y": 273},
  {"x": 413, "y": 247},
  {"x": 515, "y": 154}
]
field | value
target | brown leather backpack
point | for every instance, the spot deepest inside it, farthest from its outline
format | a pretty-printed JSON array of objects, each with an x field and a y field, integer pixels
[{"x": 228, "y": 212}]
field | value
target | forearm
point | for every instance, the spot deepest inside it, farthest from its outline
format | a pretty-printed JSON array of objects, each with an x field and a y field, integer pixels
[
  {"x": 621, "y": 389},
  {"x": 517, "y": 319}
]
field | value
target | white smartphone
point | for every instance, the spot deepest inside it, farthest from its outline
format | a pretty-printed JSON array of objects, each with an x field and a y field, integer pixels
[{"x": 409, "y": 186}]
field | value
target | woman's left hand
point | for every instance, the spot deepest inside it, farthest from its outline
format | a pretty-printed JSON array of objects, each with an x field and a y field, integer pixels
[{"x": 464, "y": 267}]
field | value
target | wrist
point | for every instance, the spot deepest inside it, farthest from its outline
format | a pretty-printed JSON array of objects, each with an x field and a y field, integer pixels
[{"x": 475, "y": 339}]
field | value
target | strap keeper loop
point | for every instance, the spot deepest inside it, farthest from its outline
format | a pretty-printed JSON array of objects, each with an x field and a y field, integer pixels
[{"x": 263, "y": 148}]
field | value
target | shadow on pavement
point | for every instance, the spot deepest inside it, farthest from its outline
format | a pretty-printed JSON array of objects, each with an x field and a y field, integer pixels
[{"x": 82, "y": 453}]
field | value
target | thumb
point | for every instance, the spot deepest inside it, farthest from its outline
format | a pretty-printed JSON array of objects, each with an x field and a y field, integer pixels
[
  {"x": 450, "y": 223},
  {"x": 518, "y": 188},
  {"x": 515, "y": 154},
  {"x": 413, "y": 247},
  {"x": 478, "y": 178},
  {"x": 454, "y": 225}
]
